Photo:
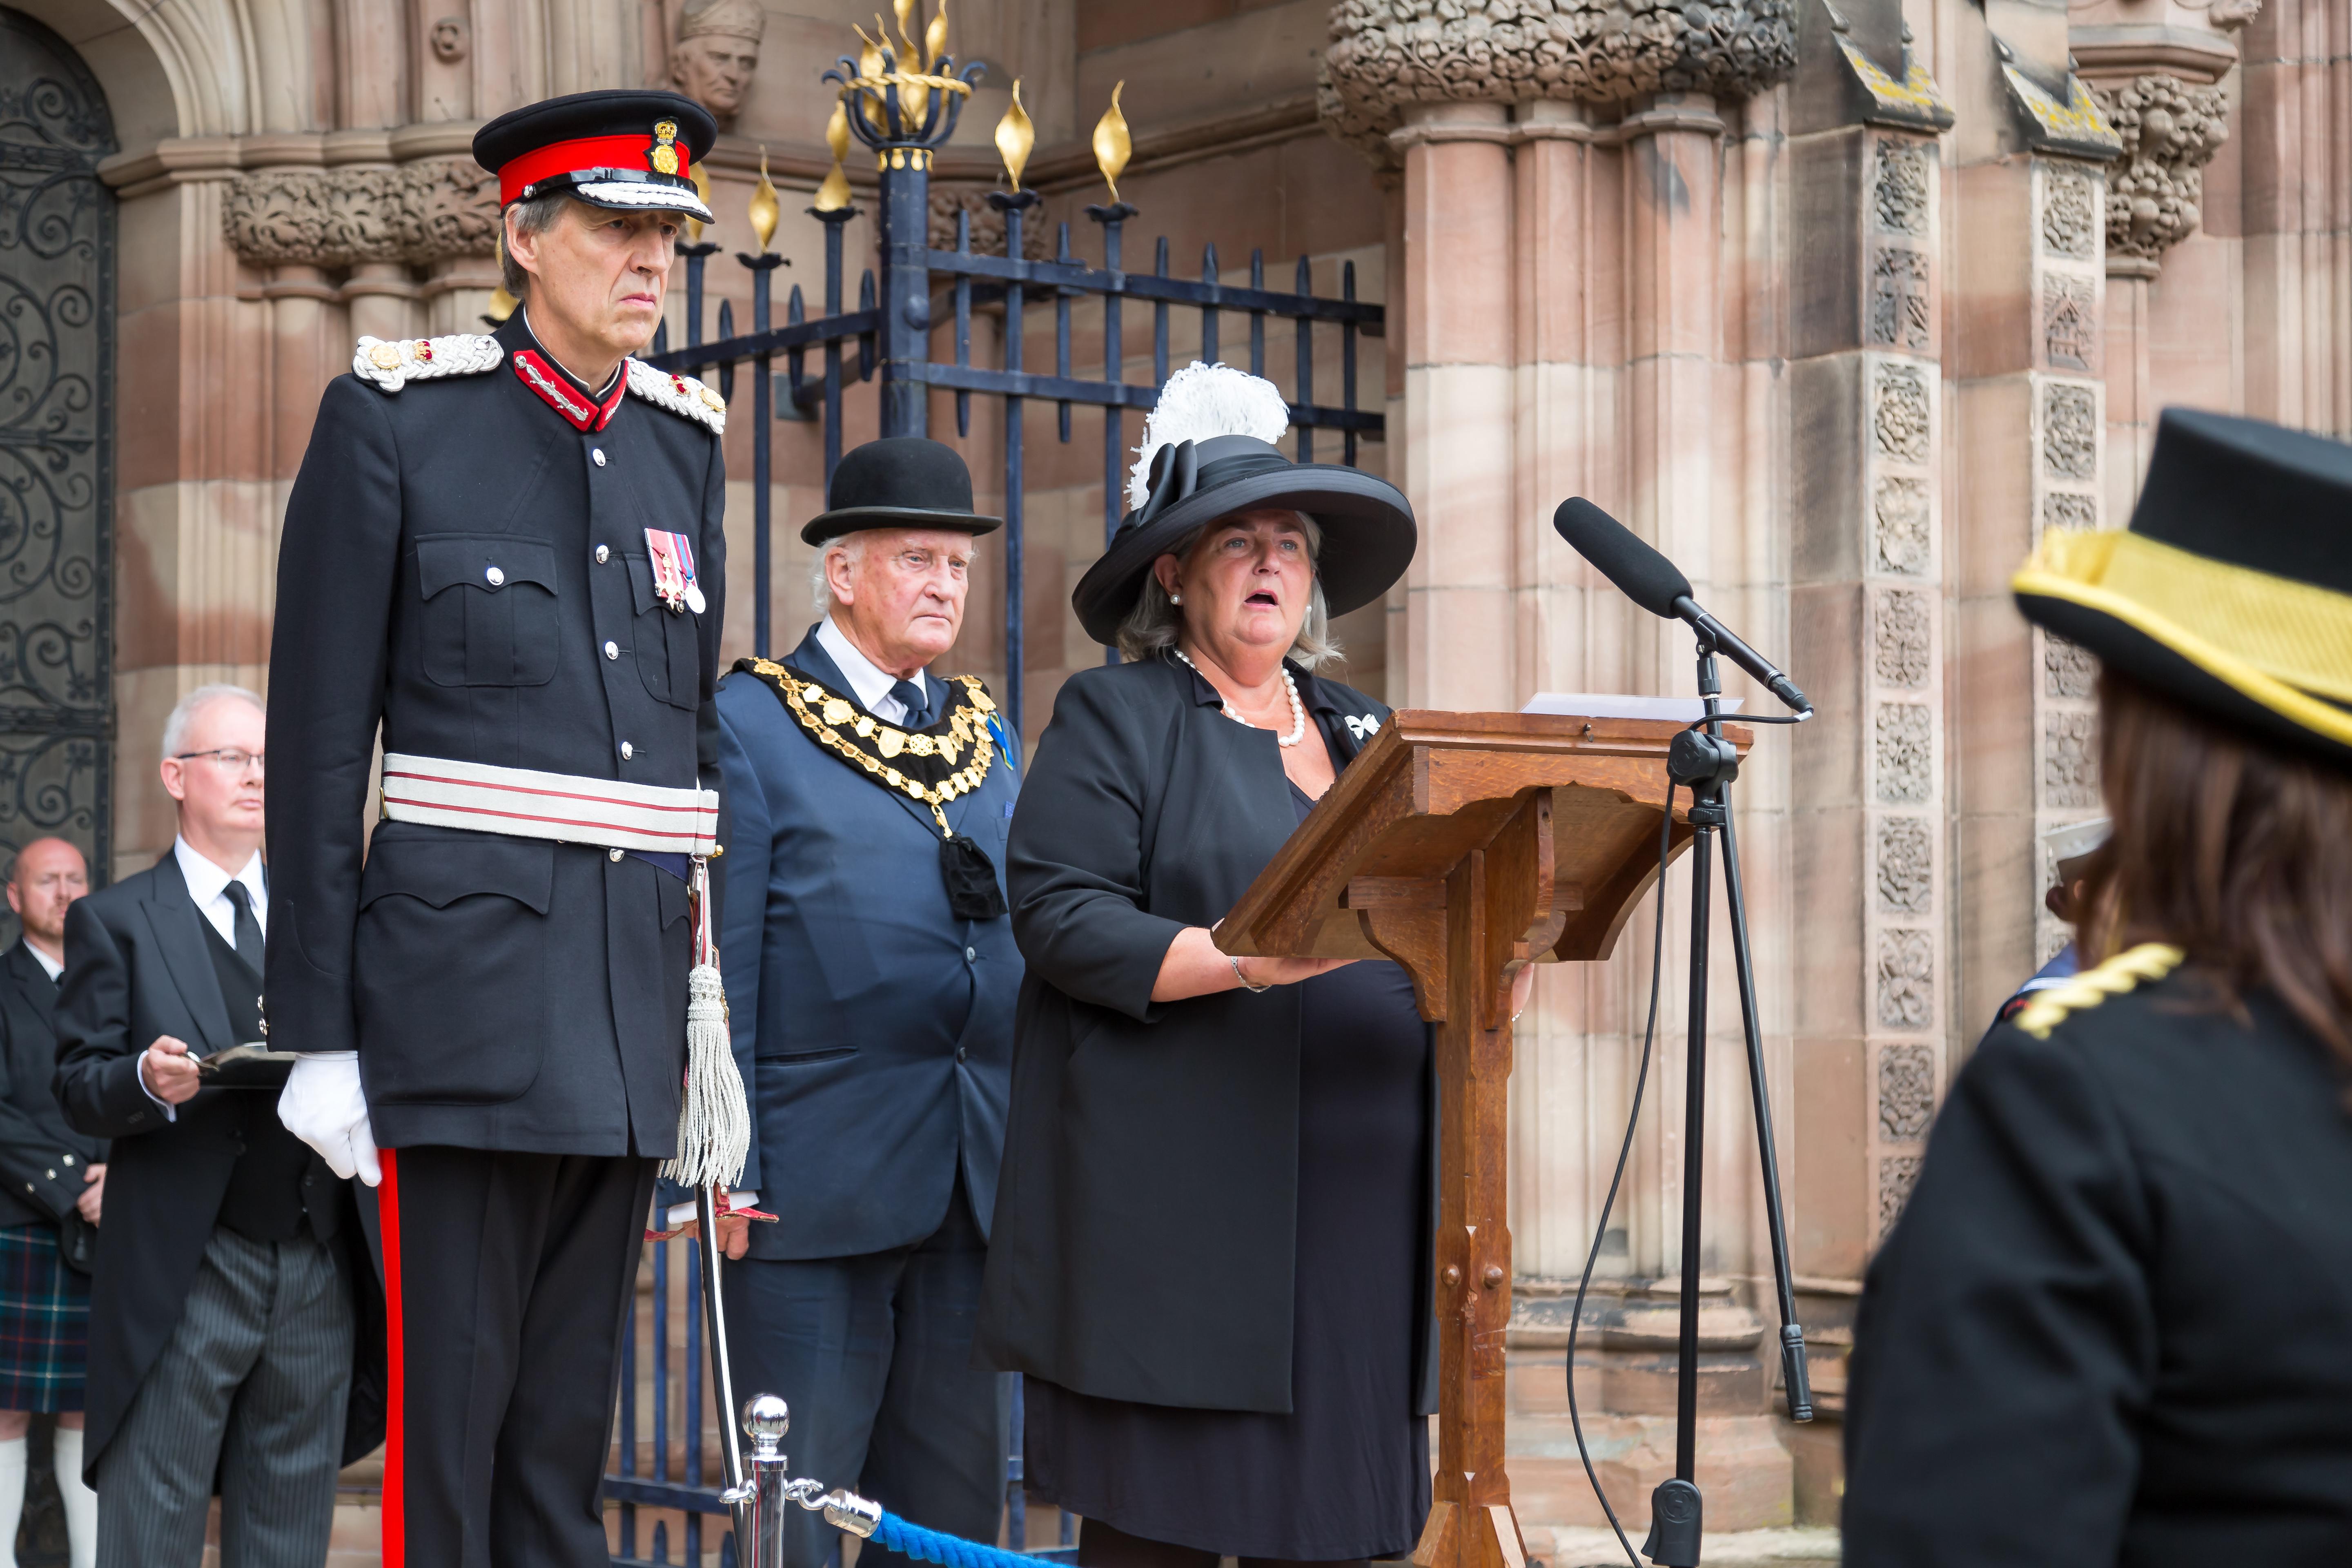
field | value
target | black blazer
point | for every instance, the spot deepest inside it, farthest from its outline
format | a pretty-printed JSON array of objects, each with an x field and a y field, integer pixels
[
  {"x": 440, "y": 571},
  {"x": 1146, "y": 1216},
  {"x": 2114, "y": 1326},
  {"x": 136, "y": 967},
  {"x": 42, "y": 1159}
]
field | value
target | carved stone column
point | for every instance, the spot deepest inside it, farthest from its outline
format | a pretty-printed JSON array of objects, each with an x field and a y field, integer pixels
[
  {"x": 352, "y": 237},
  {"x": 1563, "y": 299},
  {"x": 2164, "y": 96},
  {"x": 2297, "y": 206},
  {"x": 2025, "y": 351},
  {"x": 1867, "y": 557},
  {"x": 1459, "y": 416}
]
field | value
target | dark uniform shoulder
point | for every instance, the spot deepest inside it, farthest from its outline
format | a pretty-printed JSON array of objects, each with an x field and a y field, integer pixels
[
  {"x": 2073, "y": 1008},
  {"x": 682, "y": 395},
  {"x": 390, "y": 364}
]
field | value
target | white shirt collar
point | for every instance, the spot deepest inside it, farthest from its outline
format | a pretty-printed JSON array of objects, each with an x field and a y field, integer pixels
[
  {"x": 868, "y": 681},
  {"x": 207, "y": 885},
  {"x": 49, "y": 966}
]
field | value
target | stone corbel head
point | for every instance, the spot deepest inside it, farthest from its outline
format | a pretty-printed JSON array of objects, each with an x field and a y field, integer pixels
[{"x": 717, "y": 51}]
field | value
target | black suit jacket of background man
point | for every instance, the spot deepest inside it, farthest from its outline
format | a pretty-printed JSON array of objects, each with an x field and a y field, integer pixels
[
  {"x": 137, "y": 967},
  {"x": 440, "y": 571},
  {"x": 42, "y": 1162}
]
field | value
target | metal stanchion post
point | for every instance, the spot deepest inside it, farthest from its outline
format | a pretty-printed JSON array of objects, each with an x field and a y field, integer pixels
[{"x": 765, "y": 1422}]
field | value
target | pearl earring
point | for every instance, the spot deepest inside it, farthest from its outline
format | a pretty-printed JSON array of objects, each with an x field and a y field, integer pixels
[{"x": 1175, "y": 598}]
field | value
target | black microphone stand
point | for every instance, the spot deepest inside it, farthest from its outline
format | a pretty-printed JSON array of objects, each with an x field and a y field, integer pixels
[{"x": 1702, "y": 761}]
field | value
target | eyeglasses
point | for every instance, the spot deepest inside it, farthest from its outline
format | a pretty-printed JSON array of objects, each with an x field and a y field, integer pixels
[{"x": 229, "y": 758}]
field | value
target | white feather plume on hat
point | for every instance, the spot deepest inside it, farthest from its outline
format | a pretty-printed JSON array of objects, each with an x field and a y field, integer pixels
[{"x": 1201, "y": 401}]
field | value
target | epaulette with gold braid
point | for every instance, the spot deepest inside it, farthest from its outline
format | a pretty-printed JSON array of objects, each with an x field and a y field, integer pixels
[{"x": 2126, "y": 971}]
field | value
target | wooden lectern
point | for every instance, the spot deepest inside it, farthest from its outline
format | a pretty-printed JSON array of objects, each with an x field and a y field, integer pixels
[{"x": 1464, "y": 846}]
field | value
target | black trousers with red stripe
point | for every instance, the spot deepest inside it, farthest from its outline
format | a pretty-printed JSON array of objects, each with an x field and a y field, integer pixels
[{"x": 508, "y": 1278}]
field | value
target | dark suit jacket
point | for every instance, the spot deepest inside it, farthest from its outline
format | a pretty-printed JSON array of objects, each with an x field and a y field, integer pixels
[
  {"x": 874, "y": 1028},
  {"x": 2114, "y": 1325},
  {"x": 1146, "y": 1224},
  {"x": 136, "y": 967},
  {"x": 438, "y": 572},
  {"x": 42, "y": 1159}
]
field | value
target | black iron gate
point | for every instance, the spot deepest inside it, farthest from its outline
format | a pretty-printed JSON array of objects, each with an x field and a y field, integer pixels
[
  {"x": 56, "y": 416},
  {"x": 903, "y": 116}
]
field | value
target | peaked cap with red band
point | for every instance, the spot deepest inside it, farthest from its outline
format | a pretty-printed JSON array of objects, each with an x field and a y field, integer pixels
[{"x": 632, "y": 151}]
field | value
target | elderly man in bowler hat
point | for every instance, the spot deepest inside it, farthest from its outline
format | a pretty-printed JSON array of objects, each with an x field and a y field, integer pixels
[{"x": 871, "y": 978}]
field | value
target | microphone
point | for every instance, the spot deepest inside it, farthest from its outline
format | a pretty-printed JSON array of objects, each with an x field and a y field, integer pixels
[{"x": 1658, "y": 585}]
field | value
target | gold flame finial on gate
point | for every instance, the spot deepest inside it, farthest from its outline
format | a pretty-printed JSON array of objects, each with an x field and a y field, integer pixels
[
  {"x": 765, "y": 208},
  {"x": 701, "y": 188},
  {"x": 834, "y": 195},
  {"x": 1113, "y": 146},
  {"x": 1014, "y": 138},
  {"x": 935, "y": 37},
  {"x": 869, "y": 69}
]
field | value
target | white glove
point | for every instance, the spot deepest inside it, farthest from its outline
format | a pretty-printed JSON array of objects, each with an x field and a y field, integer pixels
[{"x": 323, "y": 1105}]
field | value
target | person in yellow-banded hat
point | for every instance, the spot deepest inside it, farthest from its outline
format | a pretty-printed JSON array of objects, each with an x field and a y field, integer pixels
[{"x": 2115, "y": 1323}]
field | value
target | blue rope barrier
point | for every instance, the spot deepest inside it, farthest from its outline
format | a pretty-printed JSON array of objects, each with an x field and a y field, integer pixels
[{"x": 911, "y": 1539}]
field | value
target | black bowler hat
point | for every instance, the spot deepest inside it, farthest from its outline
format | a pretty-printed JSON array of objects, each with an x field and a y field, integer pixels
[
  {"x": 630, "y": 150},
  {"x": 1211, "y": 450},
  {"x": 2232, "y": 590},
  {"x": 900, "y": 481}
]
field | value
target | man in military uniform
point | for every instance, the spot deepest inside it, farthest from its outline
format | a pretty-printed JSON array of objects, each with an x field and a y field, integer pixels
[{"x": 506, "y": 551}]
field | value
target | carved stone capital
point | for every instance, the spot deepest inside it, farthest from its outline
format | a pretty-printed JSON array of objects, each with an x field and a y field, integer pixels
[
  {"x": 431, "y": 210},
  {"x": 1385, "y": 54},
  {"x": 987, "y": 223},
  {"x": 2171, "y": 128}
]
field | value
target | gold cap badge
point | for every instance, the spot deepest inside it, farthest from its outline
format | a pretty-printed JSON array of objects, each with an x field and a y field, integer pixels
[{"x": 663, "y": 156}]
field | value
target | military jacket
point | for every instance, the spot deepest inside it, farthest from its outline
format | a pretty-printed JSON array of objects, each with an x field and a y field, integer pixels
[
  {"x": 466, "y": 563},
  {"x": 2114, "y": 1324}
]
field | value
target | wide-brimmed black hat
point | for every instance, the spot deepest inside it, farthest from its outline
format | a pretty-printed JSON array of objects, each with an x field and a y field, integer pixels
[
  {"x": 2233, "y": 588},
  {"x": 1367, "y": 529},
  {"x": 900, "y": 481},
  {"x": 632, "y": 150}
]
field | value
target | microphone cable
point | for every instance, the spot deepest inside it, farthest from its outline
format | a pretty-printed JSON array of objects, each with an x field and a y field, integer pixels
[
  {"x": 1624, "y": 1153},
  {"x": 1633, "y": 1121}
]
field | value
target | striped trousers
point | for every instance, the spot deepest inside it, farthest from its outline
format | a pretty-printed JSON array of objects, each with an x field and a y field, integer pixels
[{"x": 251, "y": 1390}]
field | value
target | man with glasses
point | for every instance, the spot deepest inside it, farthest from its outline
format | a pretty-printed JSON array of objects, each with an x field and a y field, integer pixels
[{"x": 223, "y": 1333}]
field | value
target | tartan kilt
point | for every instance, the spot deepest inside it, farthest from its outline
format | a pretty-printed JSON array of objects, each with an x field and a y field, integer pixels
[{"x": 43, "y": 1323}]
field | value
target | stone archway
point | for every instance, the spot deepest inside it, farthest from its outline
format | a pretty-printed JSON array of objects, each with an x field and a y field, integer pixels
[{"x": 56, "y": 427}]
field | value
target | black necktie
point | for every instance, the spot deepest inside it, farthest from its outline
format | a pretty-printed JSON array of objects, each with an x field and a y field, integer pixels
[
  {"x": 910, "y": 697},
  {"x": 249, "y": 929}
]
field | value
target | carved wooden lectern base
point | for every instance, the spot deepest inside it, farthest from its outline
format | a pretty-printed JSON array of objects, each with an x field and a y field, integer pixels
[{"x": 1464, "y": 846}]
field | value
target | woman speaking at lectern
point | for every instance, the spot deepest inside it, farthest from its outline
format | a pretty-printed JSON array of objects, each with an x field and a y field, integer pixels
[{"x": 1210, "y": 1255}]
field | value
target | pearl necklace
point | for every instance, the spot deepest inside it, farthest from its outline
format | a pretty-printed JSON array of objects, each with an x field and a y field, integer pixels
[{"x": 1297, "y": 709}]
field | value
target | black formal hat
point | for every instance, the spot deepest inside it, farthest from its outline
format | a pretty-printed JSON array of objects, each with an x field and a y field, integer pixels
[
  {"x": 632, "y": 150},
  {"x": 900, "y": 481},
  {"x": 2233, "y": 588},
  {"x": 1209, "y": 453}
]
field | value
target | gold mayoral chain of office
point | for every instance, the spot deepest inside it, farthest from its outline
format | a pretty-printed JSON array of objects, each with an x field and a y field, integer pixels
[{"x": 922, "y": 765}]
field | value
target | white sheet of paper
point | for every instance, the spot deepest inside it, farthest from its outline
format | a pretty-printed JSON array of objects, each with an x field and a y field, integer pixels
[{"x": 1622, "y": 705}]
